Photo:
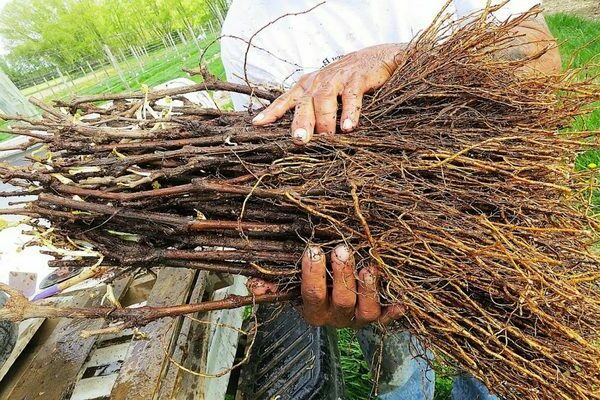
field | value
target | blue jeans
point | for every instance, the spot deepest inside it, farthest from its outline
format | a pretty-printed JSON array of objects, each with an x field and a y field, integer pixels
[{"x": 405, "y": 373}]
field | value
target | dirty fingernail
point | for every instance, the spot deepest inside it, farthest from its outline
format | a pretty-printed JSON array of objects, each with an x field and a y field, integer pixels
[
  {"x": 258, "y": 118},
  {"x": 300, "y": 135},
  {"x": 347, "y": 124},
  {"x": 342, "y": 253},
  {"x": 314, "y": 253}
]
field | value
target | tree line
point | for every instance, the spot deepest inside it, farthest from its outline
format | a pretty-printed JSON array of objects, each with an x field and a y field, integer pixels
[{"x": 45, "y": 34}]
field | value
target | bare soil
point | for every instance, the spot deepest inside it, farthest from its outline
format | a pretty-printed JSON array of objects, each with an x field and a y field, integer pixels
[{"x": 584, "y": 8}]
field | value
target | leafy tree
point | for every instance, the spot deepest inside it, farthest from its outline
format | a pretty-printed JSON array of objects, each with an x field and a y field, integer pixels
[{"x": 45, "y": 34}]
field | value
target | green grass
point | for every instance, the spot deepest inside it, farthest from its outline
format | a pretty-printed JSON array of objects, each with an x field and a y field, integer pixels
[
  {"x": 578, "y": 38},
  {"x": 159, "y": 67},
  {"x": 3, "y": 135},
  {"x": 34, "y": 89},
  {"x": 443, "y": 381},
  {"x": 579, "y": 44},
  {"x": 354, "y": 366},
  {"x": 579, "y": 41},
  {"x": 166, "y": 65}
]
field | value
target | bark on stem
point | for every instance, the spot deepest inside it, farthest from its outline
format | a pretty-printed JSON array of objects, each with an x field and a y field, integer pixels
[
  {"x": 178, "y": 143},
  {"x": 147, "y": 255},
  {"x": 196, "y": 186},
  {"x": 18, "y": 308},
  {"x": 158, "y": 94},
  {"x": 180, "y": 223}
]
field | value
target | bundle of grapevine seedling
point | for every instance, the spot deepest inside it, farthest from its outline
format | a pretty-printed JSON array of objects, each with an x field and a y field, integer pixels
[{"x": 459, "y": 184}]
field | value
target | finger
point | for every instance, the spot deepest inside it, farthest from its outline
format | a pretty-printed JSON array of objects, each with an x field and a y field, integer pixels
[
  {"x": 368, "y": 308},
  {"x": 314, "y": 286},
  {"x": 343, "y": 295},
  {"x": 352, "y": 99},
  {"x": 278, "y": 107},
  {"x": 392, "y": 313},
  {"x": 326, "y": 105},
  {"x": 259, "y": 287},
  {"x": 303, "y": 124}
]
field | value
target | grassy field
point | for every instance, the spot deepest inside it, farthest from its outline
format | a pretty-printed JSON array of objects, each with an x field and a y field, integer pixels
[{"x": 161, "y": 66}]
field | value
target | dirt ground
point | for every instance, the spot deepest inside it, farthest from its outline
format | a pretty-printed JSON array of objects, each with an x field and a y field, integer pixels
[{"x": 584, "y": 8}]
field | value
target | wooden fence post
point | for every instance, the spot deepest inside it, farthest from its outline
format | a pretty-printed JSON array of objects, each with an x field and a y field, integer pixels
[
  {"x": 64, "y": 81},
  {"x": 116, "y": 66}
]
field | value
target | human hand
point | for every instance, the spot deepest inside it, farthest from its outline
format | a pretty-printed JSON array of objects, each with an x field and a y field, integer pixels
[
  {"x": 351, "y": 302},
  {"x": 315, "y": 95}
]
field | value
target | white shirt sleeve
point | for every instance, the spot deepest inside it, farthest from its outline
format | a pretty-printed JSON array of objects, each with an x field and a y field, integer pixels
[
  {"x": 284, "y": 50},
  {"x": 509, "y": 10}
]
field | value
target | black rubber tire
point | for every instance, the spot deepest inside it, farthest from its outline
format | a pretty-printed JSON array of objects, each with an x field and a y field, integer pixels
[{"x": 8, "y": 334}]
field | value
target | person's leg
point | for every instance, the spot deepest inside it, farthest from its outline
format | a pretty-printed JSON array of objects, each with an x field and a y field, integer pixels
[
  {"x": 466, "y": 387},
  {"x": 404, "y": 374}
]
